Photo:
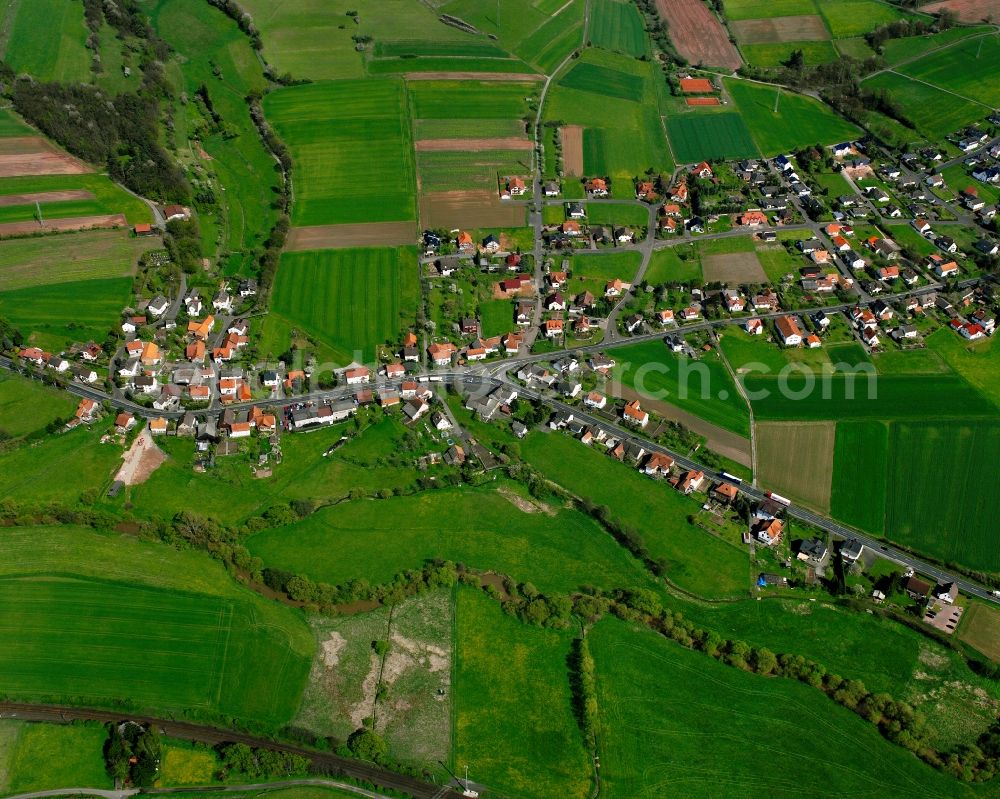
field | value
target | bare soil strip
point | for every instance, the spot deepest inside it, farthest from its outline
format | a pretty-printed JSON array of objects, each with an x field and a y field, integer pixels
[
  {"x": 40, "y": 163},
  {"x": 24, "y": 145},
  {"x": 366, "y": 234},
  {"x": 70, "y": 223},
  {"x": 469, "y": 209},
  {"x": 734, "y": 268},
  {"x": 724, "y": 442},
  {"x": 808, "y": 28},
  {"x": 796, "y": 458},
  {"x": 967, "y": 10},
  {"x": 697, "y": 33},
  {"x": 46, "y": 197},
  {"x": 472, "y": 145},
  {"x": 508, "y": 77},
  {"x": 142, "y": 459},
  {"x": 572, "y": 149}
]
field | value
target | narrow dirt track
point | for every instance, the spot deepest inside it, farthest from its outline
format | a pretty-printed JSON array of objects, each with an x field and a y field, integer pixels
[
  {"x": 69, "y": 223},
  {"x": 364, "y": 234},
  {"x": 472, "y": 145},
  {"x": 46, "y": 197}
]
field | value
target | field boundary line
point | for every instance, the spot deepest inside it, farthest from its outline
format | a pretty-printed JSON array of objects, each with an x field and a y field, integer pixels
[
  {"x": 939, "y": 88},
  {"x": 228, "y": 610}
]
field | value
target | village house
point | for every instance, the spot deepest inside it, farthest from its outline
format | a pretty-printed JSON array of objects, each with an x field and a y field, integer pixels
[
  {"x": 441, "y": 353},
  {"x": 597, "y": 187},
  {"x": 788, "y": 331},
  {"x": 634, "y": 414}
]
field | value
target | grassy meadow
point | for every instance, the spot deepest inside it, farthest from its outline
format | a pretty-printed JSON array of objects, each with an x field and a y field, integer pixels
[
  {"x": 860, "y": 462},
  {"x": 617, "y": 26},
  {"x": 704, "y": 387},
  {"x": 121, "y": 623},
  {"x": 351, "y": 299},
  {"x": 703, "y": 723},
  {"x": 28, "y": 405},
  {"x": 351, "y": 148},
  {"x": 799, "y": 119},
  {"x": 47, "y": 39},
  {"x": 559, "y": 550},
  {"x": 696, "y": 561},
  {"x": 513, "y": 720}
]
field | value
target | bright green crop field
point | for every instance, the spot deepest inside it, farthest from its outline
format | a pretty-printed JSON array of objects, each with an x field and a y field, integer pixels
[
  {"x": 470, "y": 99},
  {"x": 48, "y": 39},
  {"x": 860, "y": 459},
  {"x": 513, "y": 722},
  {"x": 351, "y": 148},
  {"x": 799, "y": 121},
  {"x": 616, "y": 25},
  {"x": 604, "y": 80},
  {"x": 961, "y": 68},
  {"x": 939, "y": 492},
  {"x": 95, "y": 618},
  {"x": 108, "y": 197},
  {"x": 701, "y": 136},
  {"x": 69, "y": 258},
  {"x": 753, "y": 9},
  {"x": 351, "y": 299},
  {"x": 704, "y": 387},
  {"x": 67, "y": 312},
  {"x": 893, "y": 396},
  {"x": 713, "y": 730},
  {"x": 560, "y": 553},
  {"x": 847, "y": 18},
  {"x": 934, "y": 112}
]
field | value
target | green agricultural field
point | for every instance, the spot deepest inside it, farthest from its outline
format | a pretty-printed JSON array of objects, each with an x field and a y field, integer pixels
[
  {"x": 469, "y": 99},
  {"x": 313, "y": 38},
  {"x": 799, "y": 120},
  {"x": 395, "y": 66},
  {"x": 896, "y": 51},
  {"x": 218, "y": 55},
  {"x": 607, "y": 214},
  {"x": 28, "y": 405},
  {"x": 860, "y": 461},
  {"x": 776, "y": 54},
  {"x": 696, "y": 561},
  {"x": 616, "y": 25},
  {"x": 351, "y": 299},
  {"x": 895, "y": 396},
  {"x": 11, "y": 125},
  {"x": 513, "y": 719},
  {"x": 701, "y": 136},
  {"x": 48, "y": 40},
  {"x": 66, "y": 312},
  {"x": 961, "y": 68},
  {"x": 977, "y": 362},
  {"x": 603, "y": 80},
  {"x": 109, "y": 198},
  {"x": 350, "y": 143},
  {"x": 73, "y": 754},
  {"x": 40, "y": 471},
  {"x": 69, "y": 258},
  {"x": 166, "y": 629},
  {"x": 621, "y": 138},
  {"x": 467, "y": 171},
  {"x": 666, "y": 266},
  {"x": 412, "y": 48},
  {"x": 847, "y": 18},
  {"x": 934, "y": 112},
  {"x": 496, "y": 317},
  {"x": 704, "y": 387},
  {"x": 753, "y": 9},
  {"x": 854, "y": 48},
  {"x": 558, "y": 552},
  {"x": 711, "y": 728},
  {"x": 939, "y": 493},
  {"x": 542, "y": 32},
  {"x": 467, "y": 128},
  {"x": 592, "y": 272}
]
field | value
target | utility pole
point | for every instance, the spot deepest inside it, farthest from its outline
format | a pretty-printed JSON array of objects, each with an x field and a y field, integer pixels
[
  {"x": 777, "y": 97},
  {"x": 38, "y": 210}
]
